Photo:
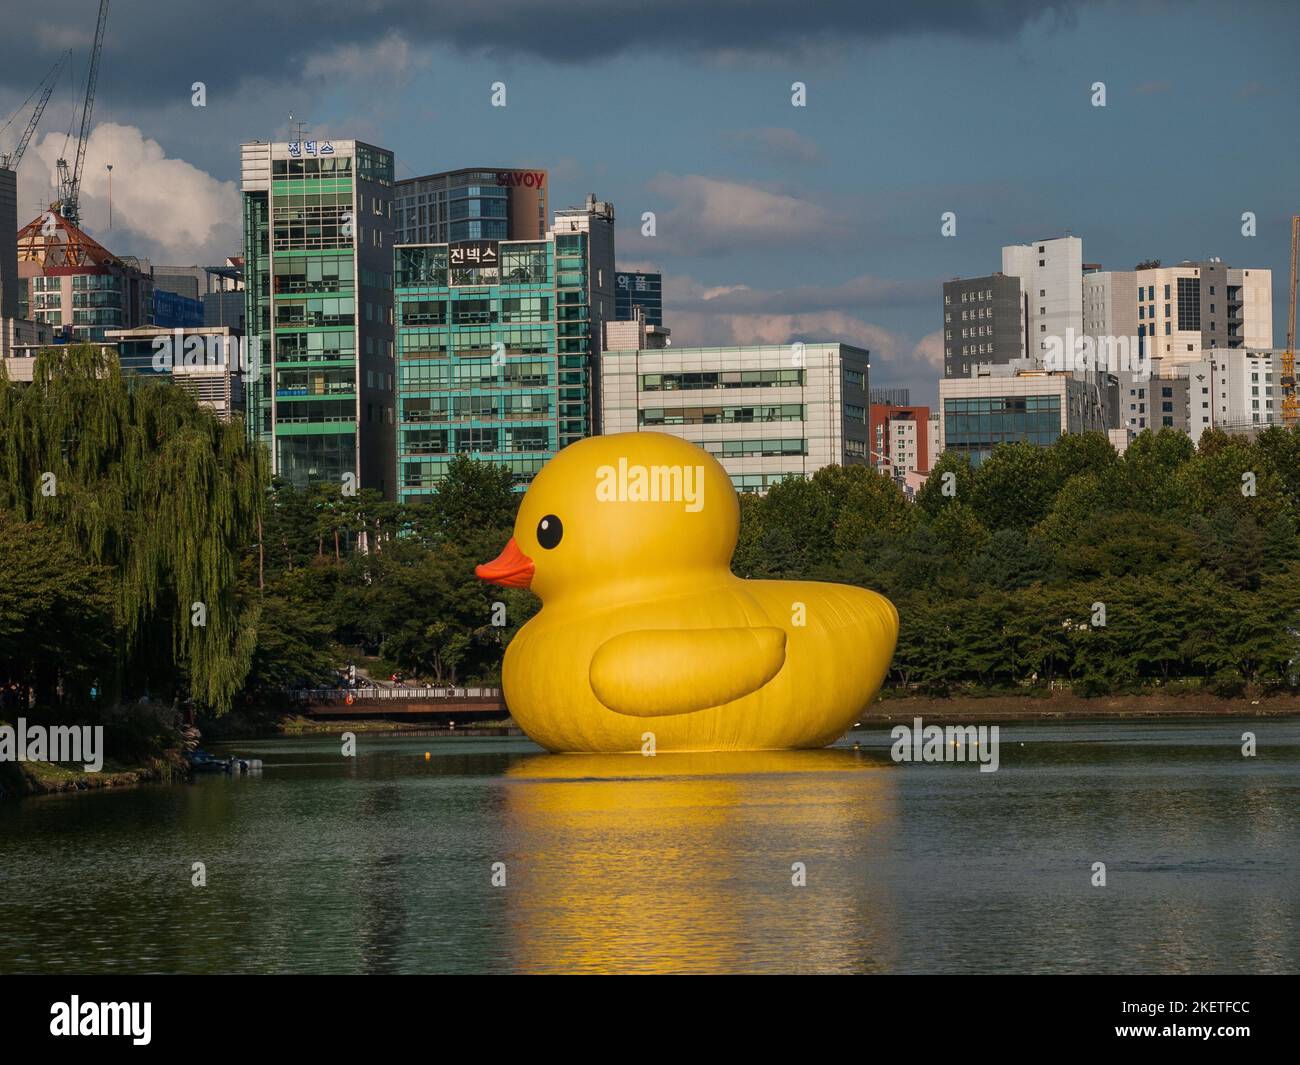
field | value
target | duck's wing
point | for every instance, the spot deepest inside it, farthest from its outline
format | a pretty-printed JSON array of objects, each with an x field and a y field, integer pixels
[{"x": 657, "y": 672}]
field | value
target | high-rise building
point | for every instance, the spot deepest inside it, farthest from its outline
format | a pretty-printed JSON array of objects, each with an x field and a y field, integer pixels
[
  {"x": 72, "y": 283},
  {"x": 1050, "y": 273},
  {"x": 983, "y": 322},
  {"x": 632, "y": 290},
  {"x": 318, "y": 265},
  {"x": 1176, "y": 312},
  {"x": 479, "y": 360},
  {"x": 766, "y": 413},
  {"x": 474, "y": 203},
  {"x": 8, "y": 243},
  {"x": 584, "y": 243},
  {"x": 1177, "y": 309}
]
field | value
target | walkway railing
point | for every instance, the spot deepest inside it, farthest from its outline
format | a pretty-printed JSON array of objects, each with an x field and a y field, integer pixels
[{"x": 364, "y": 695}]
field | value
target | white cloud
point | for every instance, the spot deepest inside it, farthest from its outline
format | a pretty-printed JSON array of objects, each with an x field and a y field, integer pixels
[
  {"x": 710, "y": 215},
  {"x": 929, "y": 350},
  {"x": 163, "y": 208}
]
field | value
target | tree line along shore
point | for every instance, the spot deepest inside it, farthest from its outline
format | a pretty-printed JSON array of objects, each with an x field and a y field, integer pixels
[{"x": 149, "y": 554}]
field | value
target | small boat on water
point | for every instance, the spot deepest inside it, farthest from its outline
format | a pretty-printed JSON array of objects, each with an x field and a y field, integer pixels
[{"x": 203, "y": 762}]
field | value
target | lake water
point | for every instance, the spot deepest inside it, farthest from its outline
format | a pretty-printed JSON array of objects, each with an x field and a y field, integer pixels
[{"x": 384, "y": 863}]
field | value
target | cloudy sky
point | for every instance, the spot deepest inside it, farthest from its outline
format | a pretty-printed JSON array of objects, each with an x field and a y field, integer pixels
[{"x": 775, "y": 222}]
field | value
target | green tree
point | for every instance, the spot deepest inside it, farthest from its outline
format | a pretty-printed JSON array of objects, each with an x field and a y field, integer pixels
[
  {"x": 157, "y": 490},
  {"x": 56, "y": 616}
]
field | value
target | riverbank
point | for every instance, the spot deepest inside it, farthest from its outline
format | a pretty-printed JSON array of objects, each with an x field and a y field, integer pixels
[
  {"x": 23, "y": 779},
  {"x": 1065, "y": 706},
  {"x": 296, "y": 725}
]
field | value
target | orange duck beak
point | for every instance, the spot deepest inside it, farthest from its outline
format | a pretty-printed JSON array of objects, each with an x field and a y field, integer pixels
[{"x": 510, "y": 569}]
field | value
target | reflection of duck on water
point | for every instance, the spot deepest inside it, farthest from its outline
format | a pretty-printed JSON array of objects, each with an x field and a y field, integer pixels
[
  {"x": 684, "y": 862},
  {"x": 627, "y": 539}
]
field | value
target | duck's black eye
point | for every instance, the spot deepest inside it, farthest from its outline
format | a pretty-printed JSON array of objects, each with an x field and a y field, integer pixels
[{"x": 549, "y": 531}]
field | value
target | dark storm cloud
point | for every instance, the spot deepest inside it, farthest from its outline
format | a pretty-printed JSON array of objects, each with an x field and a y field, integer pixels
[{"x": 157, "y": 47}]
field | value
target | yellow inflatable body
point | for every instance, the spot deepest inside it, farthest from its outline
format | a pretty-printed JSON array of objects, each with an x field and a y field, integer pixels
[{"x": 627, "y": 540}]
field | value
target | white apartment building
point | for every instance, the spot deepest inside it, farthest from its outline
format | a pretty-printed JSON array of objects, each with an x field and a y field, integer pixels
[
  {"x": 765, "y": 412},
  {"x": 1235, "y": 389},
  {"x": 1185, "y": 308},
  {"x": 905, "y": 444},
  {"x": 1178, "y": 315},
  {"x": 1050, "y": 272}
]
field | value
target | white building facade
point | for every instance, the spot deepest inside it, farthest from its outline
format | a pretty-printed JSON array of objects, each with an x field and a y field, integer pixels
[
  {"x": 1050, "y": 273},
  {"x": 765, "y": 412}
]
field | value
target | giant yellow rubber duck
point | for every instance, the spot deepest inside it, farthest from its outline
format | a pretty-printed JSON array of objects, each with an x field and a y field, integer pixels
[{"x": 627, "y": 540}]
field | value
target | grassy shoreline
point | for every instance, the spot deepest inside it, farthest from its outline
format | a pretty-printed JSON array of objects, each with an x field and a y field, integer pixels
[
  {"x": 26, "y": 779},
  {"x": 1066, "y": 706}
]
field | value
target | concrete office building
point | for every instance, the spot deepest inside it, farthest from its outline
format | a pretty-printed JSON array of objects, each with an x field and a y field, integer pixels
[
  {"x": 635, "y": 334},
  {"x": 983, "y": 322},
  {"x": 633, "y": 290},
  {"x": 318, "y": 264},
  {"x": 22, "y": 339},
  {"x": 1234, "y": 389},
  {"x": 1178, "y": 313},
  {"x": 474, "y": 203},
  {"x": 1050, "y": 273},
  {"x": 1006, "y": 404},
  {"x": 1183, "y": 308},
  {"x": 765, "y": 412}
]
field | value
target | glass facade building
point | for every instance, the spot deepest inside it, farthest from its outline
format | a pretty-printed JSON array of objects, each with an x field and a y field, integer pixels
[
  {"x": 976, "y": 425},
  {"x": 633, "y": 290},
  {"x": 492, "y": 360},
  {"x": 476, "y": 203},
  {"x": 318, "y": 246}
]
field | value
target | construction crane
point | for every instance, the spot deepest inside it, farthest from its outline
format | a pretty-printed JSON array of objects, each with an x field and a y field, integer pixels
[
  {"x": 70, "y": 180},
  {"x": 10, "y": 160},
  {"x": 1290, "y": 408}
]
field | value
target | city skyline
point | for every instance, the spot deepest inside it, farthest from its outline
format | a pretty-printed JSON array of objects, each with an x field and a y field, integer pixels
[{"x": 773, "y": 223}]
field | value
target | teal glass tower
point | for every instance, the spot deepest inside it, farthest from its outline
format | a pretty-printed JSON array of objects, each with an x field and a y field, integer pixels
[{"x": 318, "y": 253}]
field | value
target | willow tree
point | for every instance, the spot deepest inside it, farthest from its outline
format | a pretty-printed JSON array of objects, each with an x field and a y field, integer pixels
[{"x": 156, "y": 489}]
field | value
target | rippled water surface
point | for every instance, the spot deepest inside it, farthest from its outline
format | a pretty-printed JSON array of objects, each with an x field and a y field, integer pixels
[{"x": 385, "y": 862}]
